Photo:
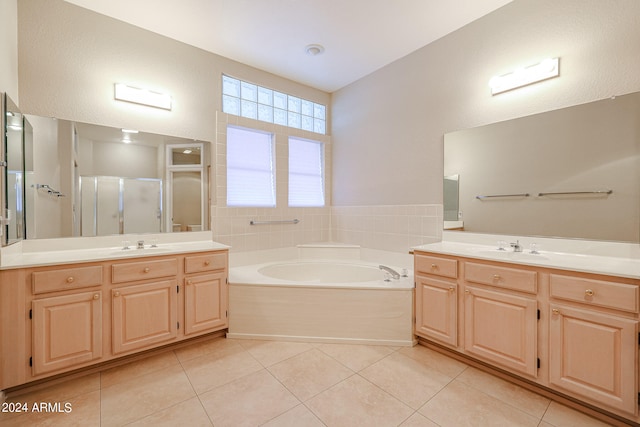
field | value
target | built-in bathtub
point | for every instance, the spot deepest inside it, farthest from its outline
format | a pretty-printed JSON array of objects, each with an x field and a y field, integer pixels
[{"x": 342, "y": 299}]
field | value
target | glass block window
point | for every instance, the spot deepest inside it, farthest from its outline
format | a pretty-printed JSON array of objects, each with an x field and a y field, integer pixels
[
  {"x": 250, "y": 168},
  {"x": 306, "y": 173},
  {"x": 260, "y": 103}
]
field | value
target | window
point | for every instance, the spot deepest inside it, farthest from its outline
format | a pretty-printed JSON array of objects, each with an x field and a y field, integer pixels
[
  {"x": 259, "y": 103},
  {"x": 250, "y": 168},
  {"x": 306, "y": 173}
]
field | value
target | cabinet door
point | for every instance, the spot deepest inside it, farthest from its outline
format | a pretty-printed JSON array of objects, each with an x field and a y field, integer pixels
[
  {"x": 205, "y": 303},
  {"x": 436, "y": 310},
  {"x": 502, "y": 328},
  {"x": 594, "y": 355},
  {"x": 67, "y": 331},
  {"x": 144, "y": 315}
]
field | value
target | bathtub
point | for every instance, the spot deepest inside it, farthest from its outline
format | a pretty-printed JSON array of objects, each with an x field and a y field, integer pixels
[{"x": 321, "y": 300}]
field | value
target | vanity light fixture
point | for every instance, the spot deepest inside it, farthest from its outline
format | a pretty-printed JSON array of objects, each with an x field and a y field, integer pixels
[
  {"x": 129, "y": 131},
  {"x": 547, "y": 69},
  {"x": 140, "y": 96}
]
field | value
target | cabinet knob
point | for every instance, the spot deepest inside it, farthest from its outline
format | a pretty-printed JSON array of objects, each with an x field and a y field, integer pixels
[
  {"x": 146, "y": 270},
  {"x": 70, "y": 279},
  {"x": 589, "y": 292},
  {"x": 96, "y": 296},
  {"x": 496, "y": 277},
  {"x": 116, "y": 294},
  {"x": 189, "y": 282},
  {"x": 555, "y": 311},
  {"x": 207, "y": 262},
  {"x": 434, "y": 266},
  {"x": 451, "y": 289},
  {"x": 467, "y": 291}
]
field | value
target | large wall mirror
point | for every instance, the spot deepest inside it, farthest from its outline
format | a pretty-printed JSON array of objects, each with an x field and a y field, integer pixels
[
  {"x": 91, "y": 180},
  {"x": 571, "y": 173}
]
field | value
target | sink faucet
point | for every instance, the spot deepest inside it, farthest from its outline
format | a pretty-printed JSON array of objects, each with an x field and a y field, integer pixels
[
  {"x": 140, "y": 244},
  {"x": 516, "y": 246},
  {"x": 390, "y": 270}
]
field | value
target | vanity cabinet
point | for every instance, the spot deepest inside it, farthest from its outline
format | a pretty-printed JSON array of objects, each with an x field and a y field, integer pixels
[
  {"x": 61, "y": 318},
  {"x": 594, "y": 351},
  {"x": 576, "y": 334},
  {"x": 436, "y": 300}
]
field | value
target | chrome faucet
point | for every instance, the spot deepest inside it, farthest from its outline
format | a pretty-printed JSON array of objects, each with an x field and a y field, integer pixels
[
  {"x": 140, "y": 244},
  {"x": 516, "y": 246},
  {"x": 390, "y": 270}
]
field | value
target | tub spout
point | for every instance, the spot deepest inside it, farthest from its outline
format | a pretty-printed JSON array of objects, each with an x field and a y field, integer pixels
[{"x": 390, "y": 270}]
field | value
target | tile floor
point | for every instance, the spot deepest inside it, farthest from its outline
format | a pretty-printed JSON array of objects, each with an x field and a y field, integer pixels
[{"x": 226, "y": 382}]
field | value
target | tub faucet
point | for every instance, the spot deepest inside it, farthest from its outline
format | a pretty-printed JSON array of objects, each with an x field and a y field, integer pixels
[
  {"x": 516, "y": 246},
  {"x": 390, "y": 270},
  {"x": 140, "y": 244}
]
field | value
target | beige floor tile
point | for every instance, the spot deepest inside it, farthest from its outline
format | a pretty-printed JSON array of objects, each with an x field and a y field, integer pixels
[
  {"x": 188, "y": 413},
  {"x": 529, "y": 402},
  {"x": 444, "y": 364},
  {"x": 81, "y": 411},
  {"x": 62, "y": 391},
  {"x": 139, "y": 367},
  {"x": 299, "y": 416},
  {"x": 204, "y": 347},
  {"x": 562, "y": 416},
  {"x": 408, "y": 380},
  {"x": 271, "y": 352},
  {"x": 309, "y": 373},
  {"x": 219, "y": 367},
  {"x": 139, "y": 397},
  {"x": 357, "y": 402},
  {"x": 356, "y": 357},
  {"x": 417, "y": 420},
  {"x": 459, "y": 405},
  {"x": 248, "y": 401}
]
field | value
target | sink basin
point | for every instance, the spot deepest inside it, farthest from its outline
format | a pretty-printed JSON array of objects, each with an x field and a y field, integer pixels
[
  {"x": 510, "y": 255},
  {"x": 137, "y": 252}
]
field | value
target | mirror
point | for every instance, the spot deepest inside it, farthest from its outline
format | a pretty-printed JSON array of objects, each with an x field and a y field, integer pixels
[
  {"x": 16, "y": 149},
  {"x": 451, "y": 203},
  {"x": 570, "y": 173},
  {"x": 92, "y": 180}
]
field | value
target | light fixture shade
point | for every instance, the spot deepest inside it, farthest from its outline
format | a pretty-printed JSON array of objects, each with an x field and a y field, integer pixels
[
  {"x": 544, "y": 70},
  {"x": 146, "y": 97}
]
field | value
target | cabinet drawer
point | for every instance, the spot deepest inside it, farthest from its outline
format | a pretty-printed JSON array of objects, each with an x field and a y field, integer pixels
[
  {"x": 67, "y": 278},
  {"x": 620, "y": 296},
  {"x": 504, "y": 277},
  {"x": 206, "y": 262},
  {"x": 437, "y": 266},
  {"x": 141, "y": 270}
]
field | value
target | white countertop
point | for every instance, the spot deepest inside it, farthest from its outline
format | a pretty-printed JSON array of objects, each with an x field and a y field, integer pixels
[
  {"x": 598, "y": 264},
  {"x": 66, "y": 251}
]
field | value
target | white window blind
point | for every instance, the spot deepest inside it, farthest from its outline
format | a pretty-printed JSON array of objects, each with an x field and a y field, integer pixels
[
  {"x": 250, "y": 170},
  {"x": 306, "y": 173}
]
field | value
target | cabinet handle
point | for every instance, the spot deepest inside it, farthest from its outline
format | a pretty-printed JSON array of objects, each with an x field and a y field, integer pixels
[
  {"x": 434, "y": 266},
  {"x": 589, "y": 292},
  {"x": 146, "y": 270},
  {"x": 451, "y": 289},
  {"x": 207, "y": 262},
  {"x": 70, "y": 279},
  {"x": 96, "y": 296},
  {"x": 555, "y": 311},
  {"x": 496, "y": 277},
  {"x": 116, "y": 294}
]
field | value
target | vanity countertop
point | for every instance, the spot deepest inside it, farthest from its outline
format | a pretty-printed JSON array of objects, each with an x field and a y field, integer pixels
[
  {"x": 596, "y": 264},
  {"x": 23, "y": 259}
]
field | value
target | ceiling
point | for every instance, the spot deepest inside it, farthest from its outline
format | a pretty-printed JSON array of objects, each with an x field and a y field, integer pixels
[{"x": 359, "y": 36}]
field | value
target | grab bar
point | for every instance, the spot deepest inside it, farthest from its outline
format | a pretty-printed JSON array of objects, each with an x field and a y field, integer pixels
[
  {"x": 285, "y": 221},
  {"x": 564, "y": 193},
  {"x": 503, "y": 195}
]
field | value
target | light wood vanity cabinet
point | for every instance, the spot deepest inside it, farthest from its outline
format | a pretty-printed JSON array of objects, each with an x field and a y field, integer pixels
[
  {"x": 66, "y": 317},
  {"x": 574, "y": 333}
]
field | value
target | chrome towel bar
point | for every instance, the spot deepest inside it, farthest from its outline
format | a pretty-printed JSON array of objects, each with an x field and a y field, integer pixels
[
  {"x": 503, "y": 195},
  {"x": 565, "y": 193},
  {"x": 285, "y": 221}
]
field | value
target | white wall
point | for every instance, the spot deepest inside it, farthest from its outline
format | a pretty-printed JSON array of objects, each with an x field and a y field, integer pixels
[
  {"x": 9, "y": 48},
  {"x": 388, "y": 127}
]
